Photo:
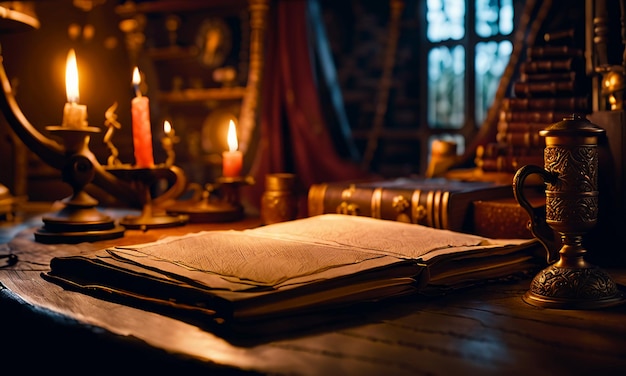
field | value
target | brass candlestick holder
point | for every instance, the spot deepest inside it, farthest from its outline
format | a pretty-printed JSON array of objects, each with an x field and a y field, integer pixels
[
  {"x": 218, "y": 202},
  {"x": 143, "y": 179},
  {"x": 571, "y": 176},
  {"x": 79, "y": 220}
]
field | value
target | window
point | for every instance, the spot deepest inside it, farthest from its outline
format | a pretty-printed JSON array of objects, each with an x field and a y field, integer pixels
[
  {"x": 468, "y": 45},
  {"x": 450, "y": 57}
]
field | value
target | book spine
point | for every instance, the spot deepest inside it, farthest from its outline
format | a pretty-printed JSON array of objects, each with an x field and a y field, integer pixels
[
  {"x": 518, "y": 127},
  {"x": 547, "y": 66},
  {"x": 533, "y": 116},
  {"x": 509, "y": 163},
  {"x": 521, "y": 139},
  {"x": 543, "y": 89},
  {"x": 494, "y": 150},
  {"x": 542, "y": 77},
  {"x": 436, "y": 208},
  {"x": 403, "y": 205},
  {"x": 548, "y": 52},
  {"x": 539, "y": 104}
]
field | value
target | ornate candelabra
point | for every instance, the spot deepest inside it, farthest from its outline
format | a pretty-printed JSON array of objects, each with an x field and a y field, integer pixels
[
  {"x": 79, "y": 219},
  {"x": 571, "y": 177}
]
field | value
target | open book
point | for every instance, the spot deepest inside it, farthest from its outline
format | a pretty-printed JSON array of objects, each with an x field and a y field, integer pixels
[{"x": 283, "y": 269}]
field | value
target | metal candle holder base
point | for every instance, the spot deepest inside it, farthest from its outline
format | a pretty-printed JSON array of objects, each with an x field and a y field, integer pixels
[
  {"x": 77, "y": 223},
  {"x": 577, "y": 287},
  {"x": 206, "y": 210},
  {"x": 144, "y": 179},
  {"x": 79, "y": 220}
]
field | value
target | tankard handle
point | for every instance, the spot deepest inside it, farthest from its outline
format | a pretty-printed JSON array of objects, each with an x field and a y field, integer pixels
[{"x": 537, "y": 224}]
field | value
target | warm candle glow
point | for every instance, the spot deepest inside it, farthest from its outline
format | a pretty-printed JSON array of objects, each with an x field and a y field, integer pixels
[
  {"x": 168, "y": 142},
  {"x": 136, "y": 81},
  {"x": 71, "y": 78},
  {"x": 74, "y": 114},
  {"x": 232, "y": 137},
  {"x": 142, "y": 129},
  {"x": 232, "y": 160}
]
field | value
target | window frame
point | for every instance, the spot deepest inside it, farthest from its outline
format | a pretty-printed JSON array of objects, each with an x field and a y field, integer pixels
[{"x": 470, "y": 128}]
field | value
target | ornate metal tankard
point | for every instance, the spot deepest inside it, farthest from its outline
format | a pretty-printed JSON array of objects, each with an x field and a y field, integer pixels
[{"x": 570, "y": 174}]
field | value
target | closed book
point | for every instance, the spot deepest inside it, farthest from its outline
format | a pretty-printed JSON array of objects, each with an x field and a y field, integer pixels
[
  {"x": 534, "y": 116},
  {"x": 509, "y": 163},
  {"x": 544, "y": 89},
  {"x": 496, "y": 149},
  {"x": 552, "y": 65},
  {"x": 549, "y": 103},
  {"x": 522, "y": 139},
  {"x": 542, "y": 77},
  {"x": 503, "y": 218},
  {"x": 433, "y": 202},
  {"x": 493, "y": 150},
  {"x": 520, "y": 126},
  {"x": 546, "y": 52}
]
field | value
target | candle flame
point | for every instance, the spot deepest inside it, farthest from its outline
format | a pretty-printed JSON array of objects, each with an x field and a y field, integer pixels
[
  {"x": 232, "y": 136},
  {"x": 71, "y": 78},
  {"x": 136, "y": 77},
  {"x": 167, "y": 127}
]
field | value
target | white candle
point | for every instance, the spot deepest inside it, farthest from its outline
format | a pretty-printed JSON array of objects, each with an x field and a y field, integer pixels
[
  {"x": 74, "y": 114},
  {"x": 232, "y": 160}
]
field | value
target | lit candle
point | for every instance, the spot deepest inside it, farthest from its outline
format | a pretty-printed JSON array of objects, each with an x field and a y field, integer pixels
[
  {"x": 168, "y": 142},
  {"x": 74, "y": 114},
  {"x": 232, "y": 160},
  {"x": 167, "y": 129},
  {"x": 142, "y": 132}
]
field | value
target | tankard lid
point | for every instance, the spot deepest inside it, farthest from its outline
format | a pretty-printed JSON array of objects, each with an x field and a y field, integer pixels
[{"x": 573, "y": 125}]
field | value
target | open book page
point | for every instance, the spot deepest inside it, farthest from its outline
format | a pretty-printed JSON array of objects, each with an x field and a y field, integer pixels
[
  {"x": 398, "y": 239},
  {"x": 295, "y": 252},
  {"x": 241, "y": 260}
]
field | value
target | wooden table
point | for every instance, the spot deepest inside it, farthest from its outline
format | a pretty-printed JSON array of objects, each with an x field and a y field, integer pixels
[{"x": 481, "y": 330}]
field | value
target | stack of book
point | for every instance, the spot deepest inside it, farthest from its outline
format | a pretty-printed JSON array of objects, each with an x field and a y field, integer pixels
[{"x": 552, "y": 85}]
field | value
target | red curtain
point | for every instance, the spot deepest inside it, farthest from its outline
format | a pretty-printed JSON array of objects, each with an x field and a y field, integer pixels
[{"x": 294, "y": 135}]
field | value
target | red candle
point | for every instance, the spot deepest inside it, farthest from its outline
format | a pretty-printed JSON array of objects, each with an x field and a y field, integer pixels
[
  {"x": 142, "y": 131},
  {"x": 74, "y": 114},
  {"x": 232, "y": 160}
]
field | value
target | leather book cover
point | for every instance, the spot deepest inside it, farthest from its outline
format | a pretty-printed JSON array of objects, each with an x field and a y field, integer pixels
[
  {"x": 504, "y": 218},
  {"x": 549, "y": 66},
  {"x": 573, "y": 103},
  {"x": 433, "y": 202}
]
